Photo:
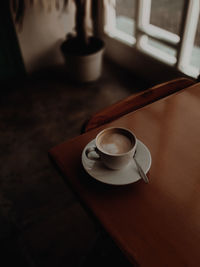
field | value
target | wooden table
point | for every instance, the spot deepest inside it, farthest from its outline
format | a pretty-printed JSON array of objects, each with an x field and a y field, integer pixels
[{"x": 157, "y": 224}]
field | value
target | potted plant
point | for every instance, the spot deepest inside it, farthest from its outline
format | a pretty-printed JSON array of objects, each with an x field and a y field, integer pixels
[{"x": 82, "y": 51}]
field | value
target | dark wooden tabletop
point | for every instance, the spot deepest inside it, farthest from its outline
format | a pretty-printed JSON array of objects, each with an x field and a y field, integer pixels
[{"x": 157, "y": 224}]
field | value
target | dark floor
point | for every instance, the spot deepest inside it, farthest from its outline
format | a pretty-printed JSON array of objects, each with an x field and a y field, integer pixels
[{"x": 41, "y": 221}]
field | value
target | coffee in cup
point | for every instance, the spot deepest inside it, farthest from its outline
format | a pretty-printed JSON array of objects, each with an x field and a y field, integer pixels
[{"x": 115, "y": 147}]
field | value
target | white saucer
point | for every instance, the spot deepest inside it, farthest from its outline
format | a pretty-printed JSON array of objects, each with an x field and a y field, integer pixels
[{"x": 127, "y": 175}]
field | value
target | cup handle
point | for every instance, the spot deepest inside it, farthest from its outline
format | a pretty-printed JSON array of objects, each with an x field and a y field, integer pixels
[{"x": 92, "y": 149}]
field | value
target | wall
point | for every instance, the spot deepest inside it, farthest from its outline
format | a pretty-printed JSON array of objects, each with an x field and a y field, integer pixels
[
  {"x": 140, "y": 63},
  {"x": 41, "y": 35}
]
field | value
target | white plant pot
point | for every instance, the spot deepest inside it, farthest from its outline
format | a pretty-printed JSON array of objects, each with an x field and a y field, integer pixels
[{"x": 85, "y": 68}]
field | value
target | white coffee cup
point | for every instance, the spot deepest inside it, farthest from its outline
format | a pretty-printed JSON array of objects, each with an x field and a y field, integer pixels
[{"x": 115, "y": 147}]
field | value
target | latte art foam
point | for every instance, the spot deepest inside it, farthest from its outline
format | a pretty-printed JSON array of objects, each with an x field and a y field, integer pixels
[{"x": 115, "y": 143}]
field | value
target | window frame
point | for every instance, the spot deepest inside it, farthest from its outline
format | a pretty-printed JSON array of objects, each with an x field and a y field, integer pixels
[{"x": 137, "y": 48}]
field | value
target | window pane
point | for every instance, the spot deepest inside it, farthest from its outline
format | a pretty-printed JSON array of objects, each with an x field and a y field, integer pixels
[
  {"x": 126, "y": 8},
  {"x": 160, "y": 46},
  {"x": 125, "y": 14},
  {"x": 195, "y": 58},
  {"x": 167, "y": 14}
]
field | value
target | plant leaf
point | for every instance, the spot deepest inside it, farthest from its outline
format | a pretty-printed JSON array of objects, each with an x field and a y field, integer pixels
[
  {"x": 65, "y": 3},
  {"x": 57, "y": 4},
  {"x": 20, "y": 12},
  {"x": 14, "y": 4}
]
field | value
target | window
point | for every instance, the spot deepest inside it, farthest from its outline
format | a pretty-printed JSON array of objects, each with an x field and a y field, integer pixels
[{"x": 168, "y": 31}]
